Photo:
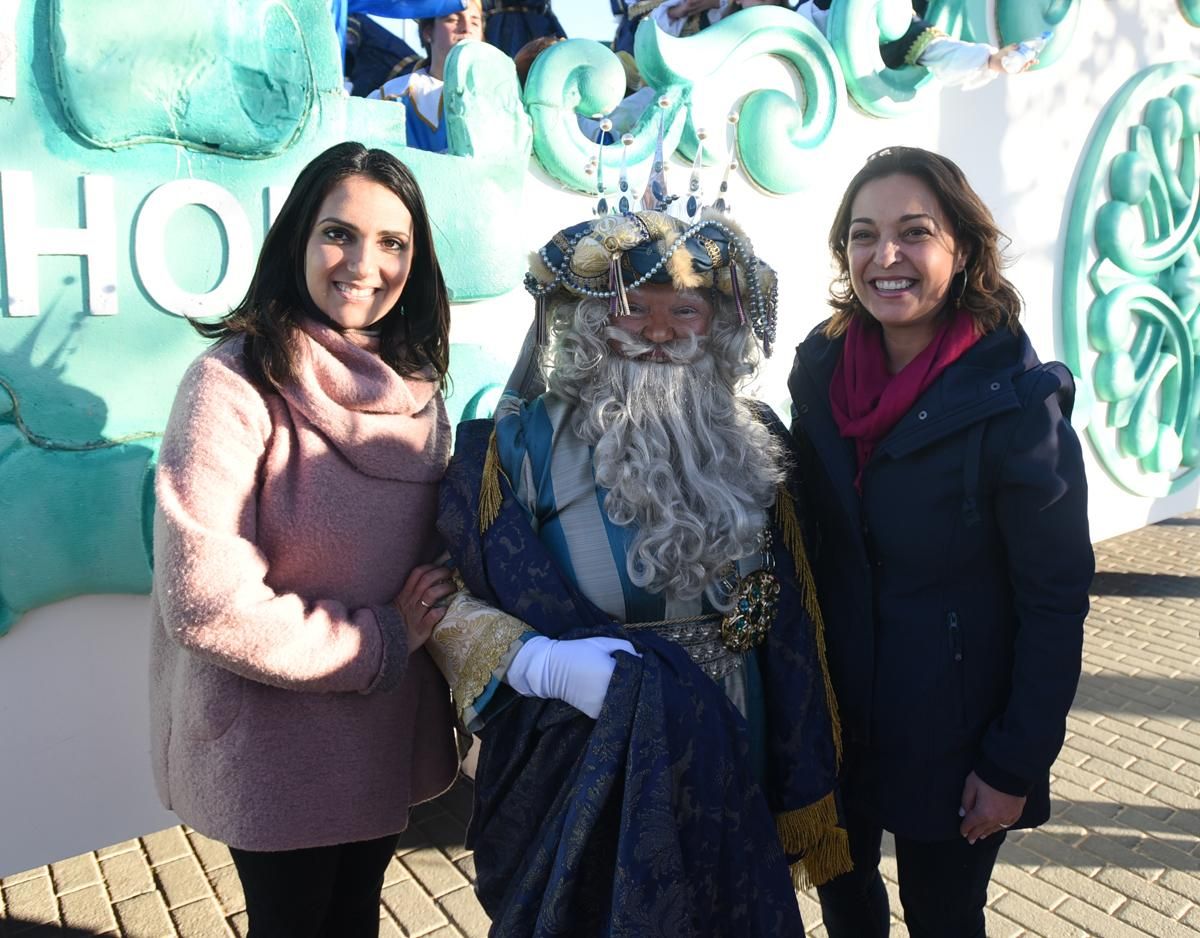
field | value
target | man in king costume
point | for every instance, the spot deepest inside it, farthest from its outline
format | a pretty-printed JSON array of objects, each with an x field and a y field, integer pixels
[{"x": 638, "y": 645}]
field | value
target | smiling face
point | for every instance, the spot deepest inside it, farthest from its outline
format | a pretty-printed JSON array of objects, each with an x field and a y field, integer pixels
[
  {"x": 359, "y": 253},
  {"x": 902, "y": 255},
  {"x": 448, "y": 31},
  {"x": 659, "y": 314}
]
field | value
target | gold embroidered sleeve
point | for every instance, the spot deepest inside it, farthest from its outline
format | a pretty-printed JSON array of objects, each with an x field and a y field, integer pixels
[
  {"x": 920, "y": 44},
  {"x": 641, "y": 8},
  {"x": 473, "y": 643}
]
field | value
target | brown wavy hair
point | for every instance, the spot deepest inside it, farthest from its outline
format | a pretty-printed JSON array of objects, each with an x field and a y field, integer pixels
[
  {"x": 414, "y": 334},
  {"x": 987, "y": 295}
]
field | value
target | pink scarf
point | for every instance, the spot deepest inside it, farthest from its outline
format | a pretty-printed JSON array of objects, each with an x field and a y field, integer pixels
[{"x": 868, "y": 401}]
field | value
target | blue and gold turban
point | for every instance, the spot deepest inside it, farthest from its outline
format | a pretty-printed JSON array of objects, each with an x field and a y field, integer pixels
[{"x": 606, "y": 256}]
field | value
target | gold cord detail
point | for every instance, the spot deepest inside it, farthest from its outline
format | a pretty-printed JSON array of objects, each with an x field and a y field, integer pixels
[{"x": 793, "y": 538}]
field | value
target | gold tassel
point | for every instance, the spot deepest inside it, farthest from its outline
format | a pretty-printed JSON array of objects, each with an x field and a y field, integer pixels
[
  {"x": 793, "y": 538},
  {"x": 830, "y": 858},
  {"x": 490, "y": 495},
  {"x": 813, "y": 833}
]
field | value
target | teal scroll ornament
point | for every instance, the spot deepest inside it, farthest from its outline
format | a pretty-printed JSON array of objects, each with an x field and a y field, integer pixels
[
  {"x": 1191, "y": 11},
  {"x": 774, "y": 130},
  {"x": 857, "y": 28},
  {"x": 1131, "y": 281},
  {"x": 582, "y": 78}
]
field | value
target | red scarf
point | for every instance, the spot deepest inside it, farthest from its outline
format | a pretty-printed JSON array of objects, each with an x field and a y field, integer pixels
[{"x": 868, "y": 401}]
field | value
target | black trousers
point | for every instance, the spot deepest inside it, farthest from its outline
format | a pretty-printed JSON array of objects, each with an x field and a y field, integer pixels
[
  {"x": 943, "y": 886},
  {"x": 317, "y": 892}
]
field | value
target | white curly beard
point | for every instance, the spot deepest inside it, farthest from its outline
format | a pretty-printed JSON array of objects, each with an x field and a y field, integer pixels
[{"x": 684, "y": 460}]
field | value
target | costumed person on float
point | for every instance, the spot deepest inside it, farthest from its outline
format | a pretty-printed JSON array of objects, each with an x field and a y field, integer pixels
[
  {"x": 513, "y": 23},
  {"x": 954, "y": 62},
  {"x": 420, "y": 91},
  {"x": 638, "y": 645}
]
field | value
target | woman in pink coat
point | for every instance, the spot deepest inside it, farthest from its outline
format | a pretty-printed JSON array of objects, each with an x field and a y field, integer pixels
[{"x": 295, "y": 715}]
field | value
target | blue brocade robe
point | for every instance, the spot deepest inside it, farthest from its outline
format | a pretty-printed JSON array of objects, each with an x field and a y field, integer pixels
[{"x": 653, "y": 819}]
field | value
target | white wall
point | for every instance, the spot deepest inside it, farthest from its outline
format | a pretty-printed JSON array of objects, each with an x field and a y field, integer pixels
[{"x": 74, "y": 731}]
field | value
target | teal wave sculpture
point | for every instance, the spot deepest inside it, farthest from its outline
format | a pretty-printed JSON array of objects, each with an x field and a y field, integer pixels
[
  {"x": 580, "y": 77},
  {"x": 1131, "y": 281},
  {"x": 241, "y": 82},
  {"x": 857, "y": 28},
  {"x": 583, "y": 78}
]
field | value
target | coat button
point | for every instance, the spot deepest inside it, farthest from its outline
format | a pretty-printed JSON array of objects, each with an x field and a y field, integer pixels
[
  {"x": 922, "y": 415},
  {"x": 803, "y": 408},
  {"x": 995, "y": 385}
]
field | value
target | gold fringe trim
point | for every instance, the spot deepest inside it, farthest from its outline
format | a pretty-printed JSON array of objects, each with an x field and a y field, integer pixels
[
  {"x": 490, "y": 496},
  {"x": 793, "y": 538},
  {"x": 920, "y": 44},
  {"x": 634, "y": 10},
  {"x": 830, "y": 858},
  {"x": 813, "y": 833}
]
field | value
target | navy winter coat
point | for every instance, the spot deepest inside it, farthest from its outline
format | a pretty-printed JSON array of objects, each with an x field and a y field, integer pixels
[{"x": 955, "y": 588}]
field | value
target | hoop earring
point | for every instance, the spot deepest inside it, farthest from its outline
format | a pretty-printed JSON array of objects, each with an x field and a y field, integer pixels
[{"x": 958, "y": 286}]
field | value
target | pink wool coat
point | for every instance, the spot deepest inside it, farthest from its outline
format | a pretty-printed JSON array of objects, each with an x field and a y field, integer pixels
[{"x": 286, "y": 709}]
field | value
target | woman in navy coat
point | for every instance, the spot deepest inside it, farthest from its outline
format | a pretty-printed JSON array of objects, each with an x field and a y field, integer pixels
[{"x": 952, "y": 552}]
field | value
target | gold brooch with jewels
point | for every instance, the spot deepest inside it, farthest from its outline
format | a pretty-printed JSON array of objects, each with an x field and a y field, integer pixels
[{"x": 754, "y": 608}]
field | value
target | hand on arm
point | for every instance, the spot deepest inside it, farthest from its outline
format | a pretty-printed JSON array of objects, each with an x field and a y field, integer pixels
[{"x": 420, "y": 601}]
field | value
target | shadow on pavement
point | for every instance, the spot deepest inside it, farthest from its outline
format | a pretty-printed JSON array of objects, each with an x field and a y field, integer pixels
[
  {"x": 1148, "y": 695},
  {"x": 20, "y": 928},
  {"x": 1108, "y": 583}
]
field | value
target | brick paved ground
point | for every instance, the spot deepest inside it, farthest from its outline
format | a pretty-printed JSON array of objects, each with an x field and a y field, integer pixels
[{"x": 1121, "y": 856}]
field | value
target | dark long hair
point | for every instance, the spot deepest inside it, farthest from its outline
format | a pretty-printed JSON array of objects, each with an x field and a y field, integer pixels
[
  {"x": 987, "y": 295},
  {"x": 414, "y": 334}
]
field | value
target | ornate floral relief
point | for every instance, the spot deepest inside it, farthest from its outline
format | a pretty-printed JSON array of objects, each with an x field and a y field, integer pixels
[{"x": 1131, "y": 281}]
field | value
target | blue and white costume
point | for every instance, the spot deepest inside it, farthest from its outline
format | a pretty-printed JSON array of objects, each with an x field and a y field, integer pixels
[{"x": 421, "y": 95}]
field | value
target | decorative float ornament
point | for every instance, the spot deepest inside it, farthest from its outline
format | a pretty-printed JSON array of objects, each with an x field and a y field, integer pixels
[
  {"x": 1131, "y": 281},
  {"x": 1191, "y": 11},
  {"x": 581, "y": 77},
  {"x": 775, "y": 130},
  {"x": 857, "y": 28}
]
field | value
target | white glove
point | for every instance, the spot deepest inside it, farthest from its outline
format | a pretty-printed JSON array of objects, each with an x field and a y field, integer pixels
[{"x": 576, "y": 671}]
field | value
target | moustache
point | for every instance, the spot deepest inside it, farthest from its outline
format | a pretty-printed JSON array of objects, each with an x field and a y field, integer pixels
[{"x": 681, "y": 351}]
